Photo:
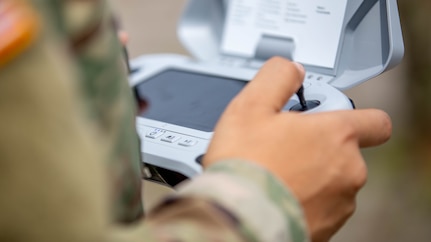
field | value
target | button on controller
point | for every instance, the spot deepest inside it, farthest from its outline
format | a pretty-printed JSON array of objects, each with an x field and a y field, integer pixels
[
  {"x": 188, "y": 142},
  {"x": 155, "y": 133},
  {"x": 170, "y": 138}
]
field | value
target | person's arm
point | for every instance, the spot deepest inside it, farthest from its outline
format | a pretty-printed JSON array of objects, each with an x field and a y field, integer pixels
[
  {"x": 232, "y": 200},
  {"x": 53, "y": 184}
]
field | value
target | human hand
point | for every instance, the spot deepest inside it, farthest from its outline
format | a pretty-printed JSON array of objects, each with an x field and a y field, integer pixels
[{"x": 316, "y": 155}]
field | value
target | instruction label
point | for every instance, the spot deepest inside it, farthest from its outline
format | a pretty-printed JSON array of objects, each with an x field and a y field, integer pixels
[{"x": 314, "y": 25}]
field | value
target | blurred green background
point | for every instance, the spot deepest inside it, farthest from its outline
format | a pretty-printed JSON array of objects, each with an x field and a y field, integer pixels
[{"x": 395, "y": 205}]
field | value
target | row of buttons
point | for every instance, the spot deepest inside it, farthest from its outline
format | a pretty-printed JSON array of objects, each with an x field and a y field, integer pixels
[
  {"x": 170, "y": 138},
  {"x": 312, "y": 76}
]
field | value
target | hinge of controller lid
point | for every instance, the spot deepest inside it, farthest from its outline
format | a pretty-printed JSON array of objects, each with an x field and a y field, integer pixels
[
  {"x": 270, "y": 46},
  {"x": 267, "y": 47}
]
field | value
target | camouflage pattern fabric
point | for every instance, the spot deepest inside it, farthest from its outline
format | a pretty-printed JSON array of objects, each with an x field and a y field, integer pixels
[
  {"x": 69, "y": 153},
  {"x": 89, "y": 28}
]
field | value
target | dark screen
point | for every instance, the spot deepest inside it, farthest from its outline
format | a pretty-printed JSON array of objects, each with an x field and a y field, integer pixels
[{"x": 187, "y": 99}]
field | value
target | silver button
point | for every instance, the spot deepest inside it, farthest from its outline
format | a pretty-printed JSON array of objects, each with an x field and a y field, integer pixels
[
  {"x": 171, "y": 138},
  {"x": 155, "y": 133},
  {"x": 188, "y": 142}
]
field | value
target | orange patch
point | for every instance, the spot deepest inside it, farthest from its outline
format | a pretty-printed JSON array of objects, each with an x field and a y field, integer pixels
[{"x": 18, "y": 28}]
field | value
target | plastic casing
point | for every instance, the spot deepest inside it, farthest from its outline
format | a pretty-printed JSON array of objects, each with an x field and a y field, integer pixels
[{"x": 371, "y": 41}]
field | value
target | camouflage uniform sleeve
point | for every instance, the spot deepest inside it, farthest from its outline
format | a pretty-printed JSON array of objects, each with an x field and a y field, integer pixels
[
  {"x": 232, "y": 201},
  {"x": 265, "y": 208},
  {"x": 52, "y": 176}
]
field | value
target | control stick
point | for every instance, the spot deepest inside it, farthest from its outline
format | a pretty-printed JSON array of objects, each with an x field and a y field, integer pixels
[
  {"x": 302, "y": 101},
  {"x": 303, "y": 104}
]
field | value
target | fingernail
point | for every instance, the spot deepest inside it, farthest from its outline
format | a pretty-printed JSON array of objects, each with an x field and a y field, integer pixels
[{"x": 300, "y": 67}]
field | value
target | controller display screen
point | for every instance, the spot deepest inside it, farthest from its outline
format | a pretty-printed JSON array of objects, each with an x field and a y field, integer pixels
[{"x": 187, "y": 99}]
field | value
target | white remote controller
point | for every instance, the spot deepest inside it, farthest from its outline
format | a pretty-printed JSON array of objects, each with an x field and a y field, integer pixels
[
  {"x": 340, "y": 43},
  {"x": 178, "y": 145}
]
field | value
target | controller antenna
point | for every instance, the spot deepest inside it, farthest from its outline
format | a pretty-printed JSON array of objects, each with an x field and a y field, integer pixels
[{"x": 301, "y": 98}]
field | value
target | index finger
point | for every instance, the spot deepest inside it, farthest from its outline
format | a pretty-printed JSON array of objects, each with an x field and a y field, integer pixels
[
  {"x": 274, "y": 84},
  {"x": 371, "y": 127}
]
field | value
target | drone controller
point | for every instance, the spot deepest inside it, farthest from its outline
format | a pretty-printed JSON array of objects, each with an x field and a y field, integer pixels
[{"x": 340, "y": 43}]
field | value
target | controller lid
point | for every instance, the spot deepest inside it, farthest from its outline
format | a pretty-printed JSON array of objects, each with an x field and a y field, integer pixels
[{"x": 350, "y": 40}]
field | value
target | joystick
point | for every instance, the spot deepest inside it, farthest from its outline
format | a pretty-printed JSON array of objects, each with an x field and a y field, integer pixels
[
  {"x": 302, "y": 101},
  {"x": 303, "y": 104}
]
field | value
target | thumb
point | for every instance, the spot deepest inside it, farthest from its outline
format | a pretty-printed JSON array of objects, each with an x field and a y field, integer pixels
[{"x": 272, "y": 87}]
